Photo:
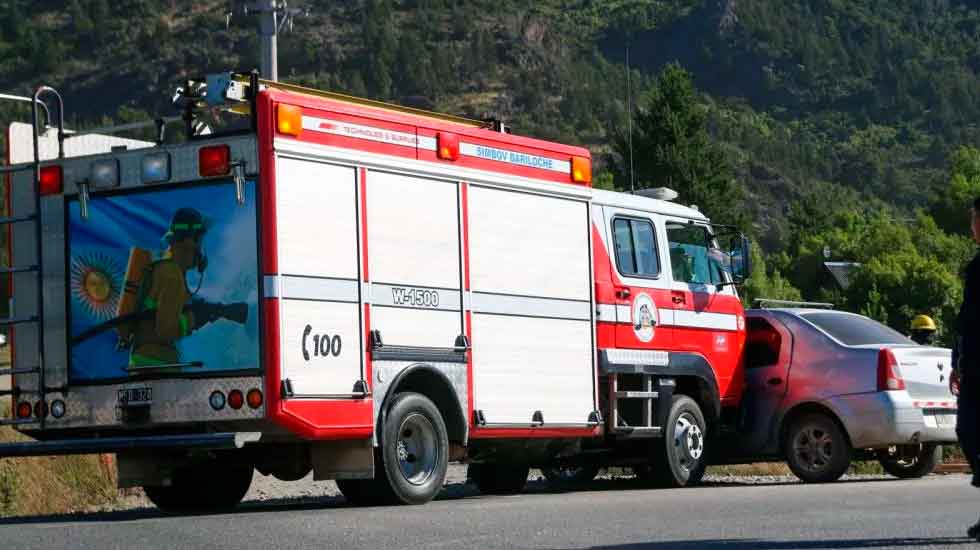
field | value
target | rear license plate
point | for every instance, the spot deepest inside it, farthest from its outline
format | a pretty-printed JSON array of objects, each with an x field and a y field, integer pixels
[
  {"x": 135, "y": 397},
  {"x": 946, "y": 420}
]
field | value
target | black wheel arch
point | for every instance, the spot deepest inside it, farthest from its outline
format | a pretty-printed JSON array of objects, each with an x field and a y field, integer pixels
[
  {"x": 434, "y": 384},
  {"x": 696, "y": 379}
]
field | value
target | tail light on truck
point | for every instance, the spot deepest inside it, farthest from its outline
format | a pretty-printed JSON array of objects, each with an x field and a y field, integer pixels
[
  {"x": 889, "y": 375},
  {"x": 52, "y": 178}
]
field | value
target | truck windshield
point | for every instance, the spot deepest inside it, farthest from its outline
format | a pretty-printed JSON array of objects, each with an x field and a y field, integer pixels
[{"x": 855, "y": 330}]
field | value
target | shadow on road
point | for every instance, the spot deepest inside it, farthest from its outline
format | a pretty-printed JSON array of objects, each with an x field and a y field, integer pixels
[
  {"x": 757, "y": 544},
  {"x": 452, "y": 491}
]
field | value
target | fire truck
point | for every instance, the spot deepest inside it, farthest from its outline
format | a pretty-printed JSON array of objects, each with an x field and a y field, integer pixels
[{"x": 359, "y": 290}]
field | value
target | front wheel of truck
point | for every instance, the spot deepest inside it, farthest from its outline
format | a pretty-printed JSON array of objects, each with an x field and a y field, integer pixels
[{"x": 205, "y": 487}]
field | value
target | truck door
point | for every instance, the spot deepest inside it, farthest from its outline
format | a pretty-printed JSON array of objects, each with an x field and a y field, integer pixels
[
  {"x": 318, "y": 285},
  {"x": 706, "y": 316},
  {"x": 768, "y": 352},
  {"x": 643, "y": 314}
]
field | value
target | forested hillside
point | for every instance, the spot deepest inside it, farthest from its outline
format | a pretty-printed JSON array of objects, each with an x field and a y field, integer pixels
[{"x": 830, "y": 114}]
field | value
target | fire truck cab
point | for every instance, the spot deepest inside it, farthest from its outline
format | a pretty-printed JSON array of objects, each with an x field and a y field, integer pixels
[{"x": 363, "y": 291}]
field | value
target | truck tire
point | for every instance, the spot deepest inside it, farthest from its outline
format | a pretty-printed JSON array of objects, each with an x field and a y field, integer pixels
[
  {"x": 816, "y": 449},
  {"x": 499, "y": 478},
  {"x": 911, "y": 461},
  {"x": 570, "y": 476},
  {"x": 207, "y": 487},
  {"x": 679, "y": 458},
  {"x": 413, "y": 457}
]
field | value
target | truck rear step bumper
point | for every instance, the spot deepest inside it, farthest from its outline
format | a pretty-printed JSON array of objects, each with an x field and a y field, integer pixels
[{"x": 215, "y": 441}]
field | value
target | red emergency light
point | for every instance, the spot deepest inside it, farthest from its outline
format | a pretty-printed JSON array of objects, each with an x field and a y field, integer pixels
[
  {"x": 447, "y": 146},
  {"x": 214, "y": 160},
  {"x": 52, "y": 179}
]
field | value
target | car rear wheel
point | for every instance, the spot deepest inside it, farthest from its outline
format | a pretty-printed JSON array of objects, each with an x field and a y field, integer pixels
[
  {"x": 910, "y": 461},
  {"x": 816, "y": 449}
]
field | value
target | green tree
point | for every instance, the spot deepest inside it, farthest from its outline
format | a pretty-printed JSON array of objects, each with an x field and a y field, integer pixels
[
  {"x": 672, "y": 148},
  {"x": 952, "y": 205}
]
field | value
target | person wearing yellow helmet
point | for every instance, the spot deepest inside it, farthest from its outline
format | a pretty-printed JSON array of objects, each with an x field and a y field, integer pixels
[{"x": 923, "y": 330}]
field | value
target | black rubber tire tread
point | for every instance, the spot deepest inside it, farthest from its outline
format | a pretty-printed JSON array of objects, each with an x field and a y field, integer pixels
[
  {"x": 584, "y": 474},
  {"x": 499, "y": 478},
  {"x": 390, "y": 485},
  {"x": 665, "y": 469},
  {"x": 840, "y": 461},
  {"x": 929, "y": 457},
  {"x": 211, "y": 487}
]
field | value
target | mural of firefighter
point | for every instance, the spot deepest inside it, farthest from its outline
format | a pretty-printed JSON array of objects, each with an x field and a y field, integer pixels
[{"x": 176, "y": 309}]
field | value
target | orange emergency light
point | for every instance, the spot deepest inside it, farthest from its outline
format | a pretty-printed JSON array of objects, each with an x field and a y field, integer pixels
[
  {"x": 289, "y": 119},
  {"x": 582, "y": 170}
]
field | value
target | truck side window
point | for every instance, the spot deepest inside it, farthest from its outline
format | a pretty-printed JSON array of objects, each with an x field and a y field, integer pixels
[
  {"x": 690, "y": 255},
  {"x": 636, "y": 248}
]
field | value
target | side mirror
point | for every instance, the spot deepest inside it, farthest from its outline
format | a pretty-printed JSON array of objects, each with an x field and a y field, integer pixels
[{"x": 737, "y": 258}]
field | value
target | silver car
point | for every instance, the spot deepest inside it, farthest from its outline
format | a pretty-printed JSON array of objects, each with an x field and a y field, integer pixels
[{"x": 825, "y": 387}]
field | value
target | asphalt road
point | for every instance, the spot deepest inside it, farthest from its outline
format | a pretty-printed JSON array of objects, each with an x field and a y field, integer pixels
[{"x": 929, "y": 513}]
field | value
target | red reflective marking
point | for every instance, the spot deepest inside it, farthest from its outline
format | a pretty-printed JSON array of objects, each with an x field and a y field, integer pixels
[{"x": 364, "y": 223}]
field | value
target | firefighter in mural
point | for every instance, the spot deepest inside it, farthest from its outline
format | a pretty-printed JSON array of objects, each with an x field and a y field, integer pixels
[{"x": 165, "y": 308}]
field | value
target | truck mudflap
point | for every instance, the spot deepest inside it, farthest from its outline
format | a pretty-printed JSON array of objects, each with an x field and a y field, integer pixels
[{"x": 83, "y": 446}]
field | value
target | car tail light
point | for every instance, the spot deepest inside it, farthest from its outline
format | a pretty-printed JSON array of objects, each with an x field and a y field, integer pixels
[
  {"x": 236, "y": 399},
  {"x": 52, "y": 179},
  {"x": 254, "y": 398},
  {"x": 889, "y": 375},
  {"x": 214, "y": 160}
]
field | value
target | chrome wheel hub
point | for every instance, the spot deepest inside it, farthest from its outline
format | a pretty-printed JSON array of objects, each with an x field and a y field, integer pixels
[
  {"x": 416, "y": 449},
  {"x": 688, "y": 441}
]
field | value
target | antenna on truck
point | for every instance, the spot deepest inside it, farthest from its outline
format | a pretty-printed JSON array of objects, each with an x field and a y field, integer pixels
[{"x": 274, "y": 16}]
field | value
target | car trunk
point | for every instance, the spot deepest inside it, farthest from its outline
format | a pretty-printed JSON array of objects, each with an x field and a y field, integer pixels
[{"x": 925, "y": 371}]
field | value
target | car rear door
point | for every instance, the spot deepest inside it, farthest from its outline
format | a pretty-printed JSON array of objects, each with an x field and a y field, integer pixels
[{"x": 768, "y": 359}]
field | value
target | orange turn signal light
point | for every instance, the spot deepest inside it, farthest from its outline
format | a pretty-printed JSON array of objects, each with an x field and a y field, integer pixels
[
  {"x": 24, "y": 410},
  {"x": 582, "y": 170},
  {"x": 289, "y": 119}
]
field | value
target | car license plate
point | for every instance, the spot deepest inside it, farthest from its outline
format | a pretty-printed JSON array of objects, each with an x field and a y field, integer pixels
[
  {"x": 946, "y": 420},
  {"x": 135, "y": 397}
]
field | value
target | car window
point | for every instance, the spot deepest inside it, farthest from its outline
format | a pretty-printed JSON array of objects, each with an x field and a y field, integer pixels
[
  {"x": 762, "y": 344},
  {"x": 636, "y": 248},
  {"x": 855, "y": 330},
  {"x": 691, "y": 256}
]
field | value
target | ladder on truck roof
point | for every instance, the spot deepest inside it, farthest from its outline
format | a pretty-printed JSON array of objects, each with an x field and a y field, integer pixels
[{"x": 36, "y": 268}]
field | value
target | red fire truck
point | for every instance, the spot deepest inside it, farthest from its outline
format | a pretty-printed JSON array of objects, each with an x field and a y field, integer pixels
[{"x": 363, "y": 291}]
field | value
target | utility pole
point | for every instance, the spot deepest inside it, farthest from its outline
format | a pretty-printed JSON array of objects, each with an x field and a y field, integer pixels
[{"x": 273, "y": 15}]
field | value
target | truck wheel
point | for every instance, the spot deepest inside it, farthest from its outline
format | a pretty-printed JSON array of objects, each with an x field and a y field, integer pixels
[
  {"x": 570, "y": 476},
  {"x": 910, "y": 461},
  {"x": 679, "y": 458},
  {"x": 499, "y": 478},
  {"x": 210, "y": 487},
  {"x": 414, "y": 452},
  {"x": 816, "y": 449}
]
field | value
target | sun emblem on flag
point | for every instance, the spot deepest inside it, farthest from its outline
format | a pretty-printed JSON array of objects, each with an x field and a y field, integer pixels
[{"x": 96, "y": 283}]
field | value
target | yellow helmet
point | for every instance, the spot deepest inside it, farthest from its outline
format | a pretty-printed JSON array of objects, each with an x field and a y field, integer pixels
[{"x": 923, "y": 322}]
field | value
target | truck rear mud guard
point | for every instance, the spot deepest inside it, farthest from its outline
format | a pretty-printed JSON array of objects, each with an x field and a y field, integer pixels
[{"x": 215, "y": 441}]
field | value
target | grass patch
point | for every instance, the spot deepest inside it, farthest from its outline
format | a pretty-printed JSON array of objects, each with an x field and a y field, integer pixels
[{"x": 52, "y": 485}]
